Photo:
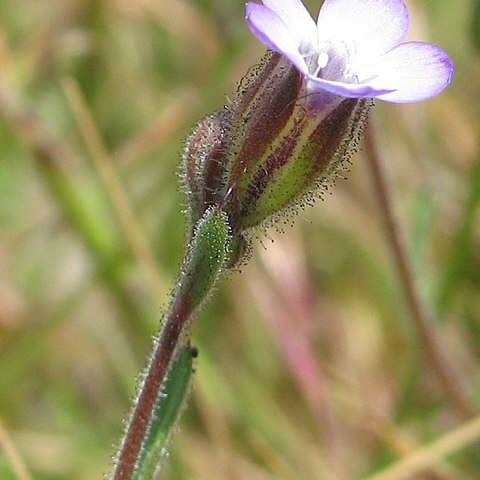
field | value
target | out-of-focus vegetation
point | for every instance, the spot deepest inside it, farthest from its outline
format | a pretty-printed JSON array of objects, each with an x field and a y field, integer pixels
[{"x": 310, "y": 365}]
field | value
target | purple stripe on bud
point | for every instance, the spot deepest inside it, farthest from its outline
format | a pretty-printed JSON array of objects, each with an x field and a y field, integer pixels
[
  {"x": 204, "y": 161},
  {"x": 263, "y": 109}
]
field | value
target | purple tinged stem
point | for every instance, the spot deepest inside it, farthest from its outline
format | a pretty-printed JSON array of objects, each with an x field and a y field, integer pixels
[
  {"x": 177, "y": 318},
  {"x": 448, "y": 377},
  {"x": 206, "y": 255}
]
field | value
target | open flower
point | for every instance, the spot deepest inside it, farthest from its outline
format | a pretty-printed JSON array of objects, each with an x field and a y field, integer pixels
[
  {"x": 355, "y": 48},
  {"x": 299, "y": 114}
]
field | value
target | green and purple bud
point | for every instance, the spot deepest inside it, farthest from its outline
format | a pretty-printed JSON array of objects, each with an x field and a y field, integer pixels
[
  {"x": 274, "y": 146},
  {"x": 285, "y": 142},
  {"x": 300, "y": 113},
  {"x": 204, "y": 163}
]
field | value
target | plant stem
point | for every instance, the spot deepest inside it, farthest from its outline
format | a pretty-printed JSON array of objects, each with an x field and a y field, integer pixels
[
  {"x": 419, "y": 312},
  {"x": 164, "y": 349},
  {"x": 207, "y": 254}
]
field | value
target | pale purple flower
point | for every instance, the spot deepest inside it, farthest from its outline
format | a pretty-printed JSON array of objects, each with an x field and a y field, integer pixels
[{"x": 355, "y": 48}]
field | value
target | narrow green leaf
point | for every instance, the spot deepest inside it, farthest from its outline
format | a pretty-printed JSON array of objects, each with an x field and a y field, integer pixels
[{"x": 167, "y": 411}]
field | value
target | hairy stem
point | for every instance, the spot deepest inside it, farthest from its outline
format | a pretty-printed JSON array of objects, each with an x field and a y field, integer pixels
[
  {"x": 419, "y": 312},
  {"x": 176, "y": 320},
  {"x": 207, "y": 253}
]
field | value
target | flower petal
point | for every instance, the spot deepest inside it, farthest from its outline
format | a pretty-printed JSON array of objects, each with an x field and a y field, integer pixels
[
  {"x": 298, "y": 20},
  {"x": 374, "y": 26},
  {"x": 351, "y": 90},
  {"x": 271, "y": 30},
  {"x": 415, "y": 70}
]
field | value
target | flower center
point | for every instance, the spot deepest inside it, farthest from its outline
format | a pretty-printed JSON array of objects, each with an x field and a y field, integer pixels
[{"x": 333, "y": 61}]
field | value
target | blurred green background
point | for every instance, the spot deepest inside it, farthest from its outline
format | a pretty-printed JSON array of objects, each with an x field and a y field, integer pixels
[{"x": 310, "y": 365}]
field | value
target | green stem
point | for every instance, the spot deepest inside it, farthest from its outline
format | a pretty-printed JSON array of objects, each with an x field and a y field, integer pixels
[{"x": 206, "y": 256}]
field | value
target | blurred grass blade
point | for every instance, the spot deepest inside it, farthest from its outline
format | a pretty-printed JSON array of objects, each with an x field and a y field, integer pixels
[
  {"x": 429, "y": 455},
  {"x": 12, "y": 456},
  {"x": 462, "y": 248},
  {"x": 82, "y": 204},
  {"x": 106, "y": 250},
  {"x": 121, "y": 205},
  {"x": 423, "y": 219},
  {"x": 167, "y": 410},
  {"x": 29, "y": 349},
  {"x": 475, "y": 25}
]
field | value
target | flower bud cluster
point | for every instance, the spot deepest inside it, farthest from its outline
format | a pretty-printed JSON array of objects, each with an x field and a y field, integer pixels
[{"x": 271, "y": 148}]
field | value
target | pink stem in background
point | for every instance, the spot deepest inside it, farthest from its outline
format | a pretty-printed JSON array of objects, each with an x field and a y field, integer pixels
[
  {"x": 289, "y": 309},
  {"x": 450, "y": 379}
]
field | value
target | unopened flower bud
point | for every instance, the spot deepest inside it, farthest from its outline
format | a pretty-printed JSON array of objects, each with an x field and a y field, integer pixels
[
  {"x": 284, "y": 142},
  {"x": 271, "y": 148},
  {"x": 204, "y": 162},
  {"x": 300, "y": 113}
]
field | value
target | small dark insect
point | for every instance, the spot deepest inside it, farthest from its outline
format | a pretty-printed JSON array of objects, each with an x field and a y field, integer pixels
[{"x": 194, "y": 351}]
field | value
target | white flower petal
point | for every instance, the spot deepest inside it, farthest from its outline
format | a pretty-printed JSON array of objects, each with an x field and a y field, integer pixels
[
  {"x": 373, "y": 26},
  {"x": 272, "y": 32},
  {"x": 298, "y": 20},
  {"x": 415, "y": 70}
]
